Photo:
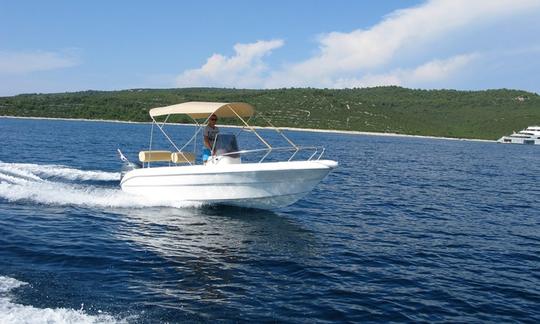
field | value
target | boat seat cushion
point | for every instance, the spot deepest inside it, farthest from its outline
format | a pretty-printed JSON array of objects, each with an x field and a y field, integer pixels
[
  {"x": 183, "y": 157},
  {"x": 155, "y": 156}
]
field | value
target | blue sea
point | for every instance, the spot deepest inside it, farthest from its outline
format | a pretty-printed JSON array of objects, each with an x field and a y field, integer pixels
[{"x": 404, "y": 230}]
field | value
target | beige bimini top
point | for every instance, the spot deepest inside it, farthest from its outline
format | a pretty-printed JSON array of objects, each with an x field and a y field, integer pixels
[{"x": 200, "y": 109}]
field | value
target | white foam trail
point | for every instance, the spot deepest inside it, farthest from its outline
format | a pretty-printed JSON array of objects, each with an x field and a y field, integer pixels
[
  {"x": 62, "y": 194},
  {"x": 11, "y": 178},
  {"x": 43, "y": 171},
  {"x": 16, "y": 313},
  {"x": 20, "y": 182},
  {"x": 7, "y": 284},
  {"x": 14, "y": 173}
]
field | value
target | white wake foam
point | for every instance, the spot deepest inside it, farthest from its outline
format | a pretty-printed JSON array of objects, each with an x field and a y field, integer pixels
[
  {"x": 11, "y": 312},
  {"x": 44, "y": 171},
  {"x": 28, "y": 182}
]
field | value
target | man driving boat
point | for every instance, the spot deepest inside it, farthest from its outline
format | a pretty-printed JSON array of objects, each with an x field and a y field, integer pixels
[{"x": 210, "y": 134}]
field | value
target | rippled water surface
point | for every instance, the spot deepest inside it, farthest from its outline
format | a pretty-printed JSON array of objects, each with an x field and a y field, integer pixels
[{"x": 405, "y": 229}]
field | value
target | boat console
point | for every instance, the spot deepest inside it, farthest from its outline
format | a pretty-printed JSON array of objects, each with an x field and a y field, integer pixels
[{"x": 226, "y": 148}]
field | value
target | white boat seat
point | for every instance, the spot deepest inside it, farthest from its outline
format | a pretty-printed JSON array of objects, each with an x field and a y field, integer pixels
[
  {"x": 183, "y": 157},
  {"x": 155, "y": 156}
]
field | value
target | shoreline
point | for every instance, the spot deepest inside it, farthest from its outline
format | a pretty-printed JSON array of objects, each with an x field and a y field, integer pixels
[{"x": 261, "y": 127}]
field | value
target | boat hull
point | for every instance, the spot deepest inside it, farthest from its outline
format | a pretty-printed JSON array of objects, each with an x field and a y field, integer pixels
[{"x": 253, "y": 185}]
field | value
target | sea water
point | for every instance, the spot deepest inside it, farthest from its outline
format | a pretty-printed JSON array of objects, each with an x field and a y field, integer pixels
[{"x": 405, "y": 229}]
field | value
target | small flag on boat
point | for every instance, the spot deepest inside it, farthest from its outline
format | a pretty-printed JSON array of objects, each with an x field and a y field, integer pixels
[{"x": 122, "y": 157}]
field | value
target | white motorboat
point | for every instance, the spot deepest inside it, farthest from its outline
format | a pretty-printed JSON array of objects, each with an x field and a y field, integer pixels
[
  {"x": 530, "y": 135},
  {"x": 229, "y": 177}
]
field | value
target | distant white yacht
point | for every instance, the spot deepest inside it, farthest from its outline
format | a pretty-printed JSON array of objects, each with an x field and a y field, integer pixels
[{"x": 530, "y": 135}]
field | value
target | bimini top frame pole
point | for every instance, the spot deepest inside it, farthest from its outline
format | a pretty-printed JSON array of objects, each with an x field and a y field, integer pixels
[
  {"x": 251, "y": 128},
  {"x": 164, "y": 133}
]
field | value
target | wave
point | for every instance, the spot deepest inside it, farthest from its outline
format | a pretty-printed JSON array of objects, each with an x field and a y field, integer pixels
[
  {"x": 11, "y": 312},
  {"x": 45, "y": 171},
  {"x": 41, "y": 184}
]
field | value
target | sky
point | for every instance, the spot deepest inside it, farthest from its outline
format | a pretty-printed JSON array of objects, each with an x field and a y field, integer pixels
[{"x": 63, "y": 46}]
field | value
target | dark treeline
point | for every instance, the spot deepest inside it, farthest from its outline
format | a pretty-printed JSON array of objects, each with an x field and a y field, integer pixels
[{"x": 485, "y": 114}]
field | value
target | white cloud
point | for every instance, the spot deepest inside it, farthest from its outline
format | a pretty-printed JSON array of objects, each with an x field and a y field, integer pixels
[
  {"x": 437, "y": 70},
  {"x": 16, "y": 63},
  {"x": 361, "y": 51},
  {"x": 245, "y": 69},
  {"x": 372, "y": 56},
  {"x": 423, "y": 75}
]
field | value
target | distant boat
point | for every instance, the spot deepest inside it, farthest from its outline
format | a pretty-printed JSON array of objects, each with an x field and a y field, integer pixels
[{"x": 530, "y": 135}]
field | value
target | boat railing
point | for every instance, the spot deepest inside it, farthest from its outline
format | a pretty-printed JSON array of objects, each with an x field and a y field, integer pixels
[{"x": 318, "y": 152}]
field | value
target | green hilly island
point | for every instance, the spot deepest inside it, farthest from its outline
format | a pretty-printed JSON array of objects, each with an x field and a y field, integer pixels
[{"x": 485, "y": 114}]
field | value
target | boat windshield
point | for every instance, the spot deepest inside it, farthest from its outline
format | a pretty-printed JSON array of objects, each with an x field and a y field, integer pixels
[{"x": 226, "y": 143}]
